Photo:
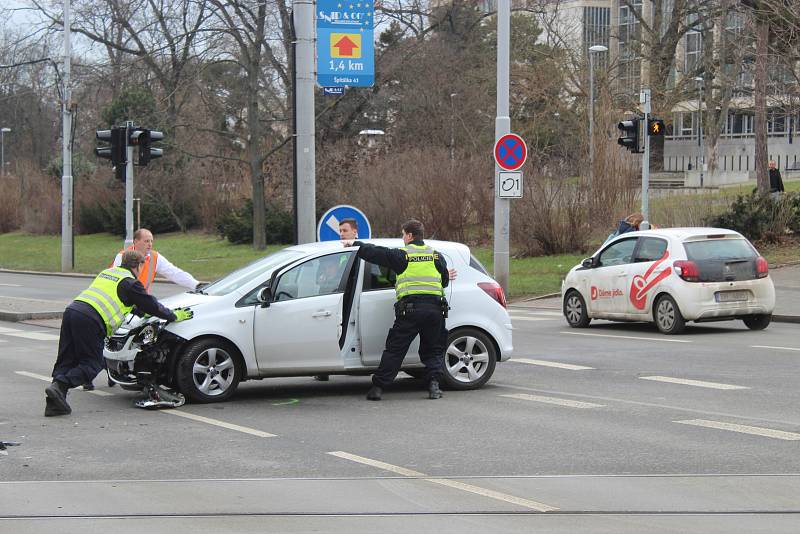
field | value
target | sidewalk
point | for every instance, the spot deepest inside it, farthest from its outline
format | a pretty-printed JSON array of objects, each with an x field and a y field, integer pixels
[{"x": 787, "y": 296}]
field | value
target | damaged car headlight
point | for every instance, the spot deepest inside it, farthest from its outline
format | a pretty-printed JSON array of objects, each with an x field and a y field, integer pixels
[{"x": 147, "y": 335}]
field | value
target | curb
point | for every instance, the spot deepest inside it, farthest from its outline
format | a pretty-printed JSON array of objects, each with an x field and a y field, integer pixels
[{"x": 16, "y": 317}]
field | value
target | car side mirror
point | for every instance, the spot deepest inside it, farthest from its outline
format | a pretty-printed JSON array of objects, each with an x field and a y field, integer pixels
[
  {"x": 264, "y": 297},
  {"x": 588, "y": 263}
]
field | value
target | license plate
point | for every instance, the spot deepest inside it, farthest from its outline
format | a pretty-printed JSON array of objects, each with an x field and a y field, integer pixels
[{"x": 732, "y": 296}]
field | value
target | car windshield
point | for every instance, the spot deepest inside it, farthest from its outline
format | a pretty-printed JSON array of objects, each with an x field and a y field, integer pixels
[
  {"x": 257, "y": 269},
  {"x": 719, "y": 249}
]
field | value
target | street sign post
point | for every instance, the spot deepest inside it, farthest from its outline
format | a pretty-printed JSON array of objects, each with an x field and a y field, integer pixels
[
  {"x": 510, "y": 152},
  {"x": 345, "y": 44},
  {"x": 328, "y": 226}
]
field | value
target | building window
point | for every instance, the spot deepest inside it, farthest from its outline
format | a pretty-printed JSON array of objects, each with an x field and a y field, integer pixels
[
  {"x": 694, "y": 50},
  {"x": 630, "y": 46},
  {"x": 596, "y": 26},
  {"x": 776, "y": 124},
  {"x": 686, "y": 123}
]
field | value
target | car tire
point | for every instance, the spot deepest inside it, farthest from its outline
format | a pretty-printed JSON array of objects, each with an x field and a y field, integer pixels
[
  {"x": 208, "y": 371},
  {"x": 668, "y": 316},
  {"x": 469, "y": 359},
  {"x": 757, "y": 322},
  {"x": 575, "y": 311}
]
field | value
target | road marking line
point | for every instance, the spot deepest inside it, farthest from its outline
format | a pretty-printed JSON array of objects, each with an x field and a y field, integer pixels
[
  {"x": 4, "y": 330},
  {"x": 628, "y": 337},
  {"x": 687, "y": 382},
  {"x": 216, "y": 422},
  {"x": 539, "y": 312},
  {"x": 38, "y": 336},
  {"x": 10, "y": 285},
  {"x": 477, "y": 490},
  {"x": 532, "y": 319},
  {"x": 50, "y": 379},
  {"x": 770, "y": 347},
  {"x": 553, "y": 400},
  {"x": 744, "y": 429},
  {"x": 545, "y": 363}
]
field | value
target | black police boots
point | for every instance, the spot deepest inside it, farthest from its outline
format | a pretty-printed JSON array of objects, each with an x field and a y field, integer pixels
[
  {"x": 374, "y": 393},
  {"x": 433, "y": 390},
  {"x": 56, "y": 399}
]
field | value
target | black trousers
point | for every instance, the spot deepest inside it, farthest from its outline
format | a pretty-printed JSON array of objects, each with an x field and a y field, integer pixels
[
  {"x": 80, "y": 349},
  {"x": 427, "y": 321}
]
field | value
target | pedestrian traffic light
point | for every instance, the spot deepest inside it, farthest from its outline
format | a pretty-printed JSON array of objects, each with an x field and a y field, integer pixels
[
  {"x": 655, "y": 127},
  {"x": 142, "y": 138},
  {"x": 630, "y": 134}
]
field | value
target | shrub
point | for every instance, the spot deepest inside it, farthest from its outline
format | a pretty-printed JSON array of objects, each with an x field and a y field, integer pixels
[
  {"x": 761, "y": 217},
  {"x": 237, "y": 225}
]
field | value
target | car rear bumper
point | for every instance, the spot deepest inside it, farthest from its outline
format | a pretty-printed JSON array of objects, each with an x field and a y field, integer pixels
[{"x": 703, "y": 305}]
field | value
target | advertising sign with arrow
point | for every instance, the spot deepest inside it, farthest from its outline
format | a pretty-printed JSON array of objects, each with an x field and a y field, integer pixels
[{"x": 345, "y": 47}]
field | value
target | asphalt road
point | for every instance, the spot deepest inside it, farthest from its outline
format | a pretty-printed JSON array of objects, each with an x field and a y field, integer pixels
[{"x": 615, "y": 428}]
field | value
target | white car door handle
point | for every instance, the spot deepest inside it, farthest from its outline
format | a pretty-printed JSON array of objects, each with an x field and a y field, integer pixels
[{"x": 321, "y": 314}]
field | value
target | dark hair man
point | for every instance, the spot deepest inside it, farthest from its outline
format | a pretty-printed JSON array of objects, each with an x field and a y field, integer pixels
[
  {"x": 420, "y": 309},
  {"x": 90, "y": 318},
  {"x": 348, "y": 229}
]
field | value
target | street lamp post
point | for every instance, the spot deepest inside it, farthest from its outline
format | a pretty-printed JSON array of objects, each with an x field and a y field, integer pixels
[
  {"x": 699, "y": 80},
  {"x": 3, "y": 150},
  {"x": 592, "y": 50}
]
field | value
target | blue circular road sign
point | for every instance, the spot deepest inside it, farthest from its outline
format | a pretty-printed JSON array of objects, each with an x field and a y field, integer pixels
[{"x": 328, "y": 227}]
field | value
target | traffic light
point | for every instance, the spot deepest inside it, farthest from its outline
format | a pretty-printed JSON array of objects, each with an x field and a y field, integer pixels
[
  {"x": 142, "y": 138},
  {"x": 655, "y": 127},
  {"x": 117, "y": 152},
  {"x": 630, "y": 134}
]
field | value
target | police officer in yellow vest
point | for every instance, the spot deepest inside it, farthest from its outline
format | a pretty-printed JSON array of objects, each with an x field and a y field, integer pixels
[
  {"x": 420, "y": 309},
  {"x": 90, "y": 318}
]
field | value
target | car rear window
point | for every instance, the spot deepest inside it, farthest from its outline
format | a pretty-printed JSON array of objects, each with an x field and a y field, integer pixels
[
  {"x": 719, "y": 249},
  {"x": 477, "y": 265}
]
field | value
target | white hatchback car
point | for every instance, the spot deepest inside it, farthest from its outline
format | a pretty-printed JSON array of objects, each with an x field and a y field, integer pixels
[
  {"x": 670, "y": 276},
  {"x": 306, "y": 310}
]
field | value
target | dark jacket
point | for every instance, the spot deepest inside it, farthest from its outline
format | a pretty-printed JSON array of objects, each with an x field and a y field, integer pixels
[
  {"x": 775, "y": 181},
  {"x": 395, "y": 258},
  {"x": 131, "y": 292}
]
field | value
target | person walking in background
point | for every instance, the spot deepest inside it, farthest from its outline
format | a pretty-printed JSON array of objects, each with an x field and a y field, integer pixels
[
  {"x": 420, "y": 308},
  {"x": 628, "y": 224},
  {"x": 775, "y": 180},
  {"x": 93, "y": 316},
  {"x": 156, "y": 263}
]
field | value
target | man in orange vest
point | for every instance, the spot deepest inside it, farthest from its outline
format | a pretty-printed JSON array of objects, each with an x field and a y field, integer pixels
[{"x": 156, "y": 263}]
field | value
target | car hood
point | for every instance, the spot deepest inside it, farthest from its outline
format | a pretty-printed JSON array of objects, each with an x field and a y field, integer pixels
[{"x": 187, "y": 299}]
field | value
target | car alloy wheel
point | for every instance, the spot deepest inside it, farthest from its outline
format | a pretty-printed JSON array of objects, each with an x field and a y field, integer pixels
[
  {"x": 207, "y": 371},
  {"x": 469, "y": 360}
]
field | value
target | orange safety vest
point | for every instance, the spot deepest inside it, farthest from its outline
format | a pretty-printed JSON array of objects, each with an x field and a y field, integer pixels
[{"x": 147, "y": 275}]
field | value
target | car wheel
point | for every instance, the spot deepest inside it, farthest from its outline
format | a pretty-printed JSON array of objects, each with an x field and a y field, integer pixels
[
  {"x": 207, "y": 371},
  {"x": 575, "y": 310},
  {"x": 469, "y": 360},
  {"x": 757, "y": 322},
  {"x": 668, "y": 316}
]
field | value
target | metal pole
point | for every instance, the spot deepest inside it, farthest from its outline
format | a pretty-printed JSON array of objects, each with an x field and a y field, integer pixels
[
  {"x": 591, "y": 117},
  {"x": 129, "y": 191},
  {"x": 67, "y": 253},
  {"x": 502, "y": 126},
  {"x": 2, "y": 152},
  {"x": 303, "y": 11},
  {"x": 700, "y": 131}
]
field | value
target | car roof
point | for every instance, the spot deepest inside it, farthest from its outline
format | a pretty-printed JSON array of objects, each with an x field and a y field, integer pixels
[
  {"x": 450, "y": 247},
  {"x": 682, "y": 234}
]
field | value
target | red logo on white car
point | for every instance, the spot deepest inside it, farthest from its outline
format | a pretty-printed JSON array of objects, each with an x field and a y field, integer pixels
[{"x": 642, "y": 284}]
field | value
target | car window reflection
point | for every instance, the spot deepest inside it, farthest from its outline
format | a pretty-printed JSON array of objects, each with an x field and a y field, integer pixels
[{"x": 320, "y": 276}]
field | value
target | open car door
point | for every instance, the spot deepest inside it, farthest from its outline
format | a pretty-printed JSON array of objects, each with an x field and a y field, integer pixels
[{"x": 349, "y": 326}]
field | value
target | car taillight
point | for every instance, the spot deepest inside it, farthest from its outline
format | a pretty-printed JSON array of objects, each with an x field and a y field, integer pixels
[
  {"x": 494, "y": 290},
  {"x": 687, "y": 270},
  {"x": 762, "y": 267}
]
